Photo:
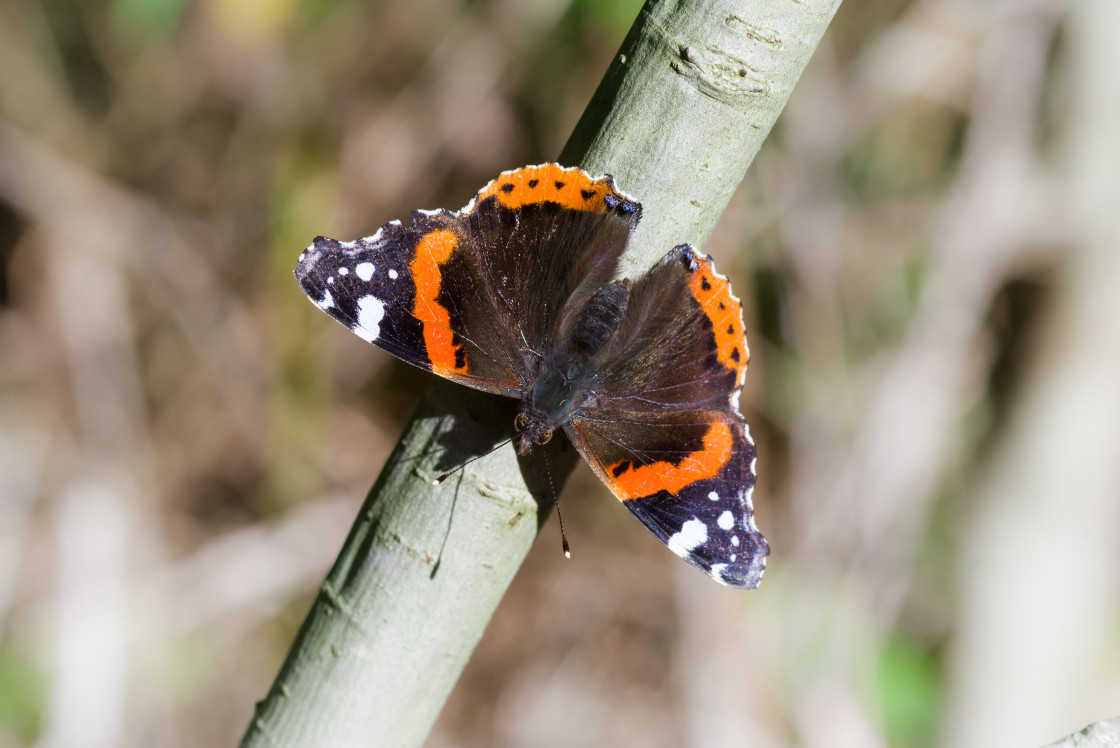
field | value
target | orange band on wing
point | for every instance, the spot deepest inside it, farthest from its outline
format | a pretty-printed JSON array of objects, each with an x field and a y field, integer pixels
[
  {"x": 725, "y": 313},
  {"x": 572, "y": 188},
  {"x": 646, "y": 480},
  {"x": 433, "y": 250}
]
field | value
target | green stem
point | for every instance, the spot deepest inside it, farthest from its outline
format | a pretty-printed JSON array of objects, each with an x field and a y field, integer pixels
[{"x": 677, "y": 119}]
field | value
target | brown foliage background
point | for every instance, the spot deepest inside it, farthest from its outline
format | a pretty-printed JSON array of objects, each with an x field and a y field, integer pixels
[{"x": 927, "y": 250}]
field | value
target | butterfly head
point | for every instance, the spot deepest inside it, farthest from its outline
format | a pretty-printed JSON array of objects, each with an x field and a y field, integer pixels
[{"x": 532, "y": 427}]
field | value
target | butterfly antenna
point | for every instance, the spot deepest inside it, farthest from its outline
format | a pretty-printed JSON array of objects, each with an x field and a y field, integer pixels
[
  {"x": 556, "y": 501},
  {"x": 449, "y": 473}
]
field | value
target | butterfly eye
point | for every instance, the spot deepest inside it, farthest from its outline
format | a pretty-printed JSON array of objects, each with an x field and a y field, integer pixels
[
  {"x": 520, "y": 422},
  {"x": 544, "y": 438}
]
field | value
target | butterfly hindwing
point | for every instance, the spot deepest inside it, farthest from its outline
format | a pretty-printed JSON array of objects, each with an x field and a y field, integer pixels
[{"x": 666, "y": 435}]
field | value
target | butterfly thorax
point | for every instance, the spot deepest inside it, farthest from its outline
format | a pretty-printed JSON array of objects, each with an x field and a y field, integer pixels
[{"x": 564, "y": 379}]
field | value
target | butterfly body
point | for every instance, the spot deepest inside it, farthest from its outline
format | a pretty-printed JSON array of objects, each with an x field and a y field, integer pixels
[
  {"x": 563, "y": 383},
  {"x": 516, "y": 294}
]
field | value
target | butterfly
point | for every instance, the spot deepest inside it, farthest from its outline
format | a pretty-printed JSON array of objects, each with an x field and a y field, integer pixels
[{"x": 515, "y": 294}]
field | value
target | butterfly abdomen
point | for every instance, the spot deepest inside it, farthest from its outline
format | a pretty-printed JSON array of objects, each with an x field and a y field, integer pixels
[
  {"x": 561, "y": 383},
  {"x": 596, "y": 324}
]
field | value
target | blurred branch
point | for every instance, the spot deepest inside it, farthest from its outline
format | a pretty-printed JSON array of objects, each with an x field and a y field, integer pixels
[
  {"x": 275, "y": 561},
  {"x": 93, "y": 216},
  {"x": 1046, "y": 514},
  {"x": 679, "y": 116},
  {"x": 93, "y": 536},
  {"x": 22, "y": 459},
  {"x": 1104, "y": 734},
  {"x": 892, "y": 467},
  {"x": 94, "y": 528}
]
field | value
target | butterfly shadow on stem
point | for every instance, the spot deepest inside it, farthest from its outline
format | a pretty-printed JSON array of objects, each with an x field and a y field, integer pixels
[{"x": 476, "y": 423}]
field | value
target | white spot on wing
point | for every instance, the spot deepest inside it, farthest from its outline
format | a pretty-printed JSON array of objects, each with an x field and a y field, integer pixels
[
  {"x": 735, "y": 540},
  {"x": 748, "y": 522},
  {"x": 364, "y": 270},
  {"x": 393, "y": 274},
  {"x": 344, "y": 271},
  {"x": 717, "y": 573},
  {"x": 726, "y": 521},
  {"x": 330, "y": 280},
  {"x": 693, "y": 534},
  {"x": 370, "y": 313},
  {"x": 713, "y": 496},
  {"x": 326, "y": 302}
]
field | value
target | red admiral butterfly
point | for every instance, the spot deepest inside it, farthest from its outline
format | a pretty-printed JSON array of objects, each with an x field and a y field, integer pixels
[{"x": 515, "y": 295}]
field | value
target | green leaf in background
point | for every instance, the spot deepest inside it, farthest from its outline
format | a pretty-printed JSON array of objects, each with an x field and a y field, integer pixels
[
  {"x": 144, "y": 17},
  {"x": 314, "y": 12},
  {"x": 22, "y": 691},
  {"x": 615, "y": 16},
  {"x": 909, "y": 693}
]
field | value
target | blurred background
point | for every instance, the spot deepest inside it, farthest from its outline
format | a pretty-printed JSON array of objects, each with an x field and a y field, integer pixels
[{"x": 928, "y": 250}]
